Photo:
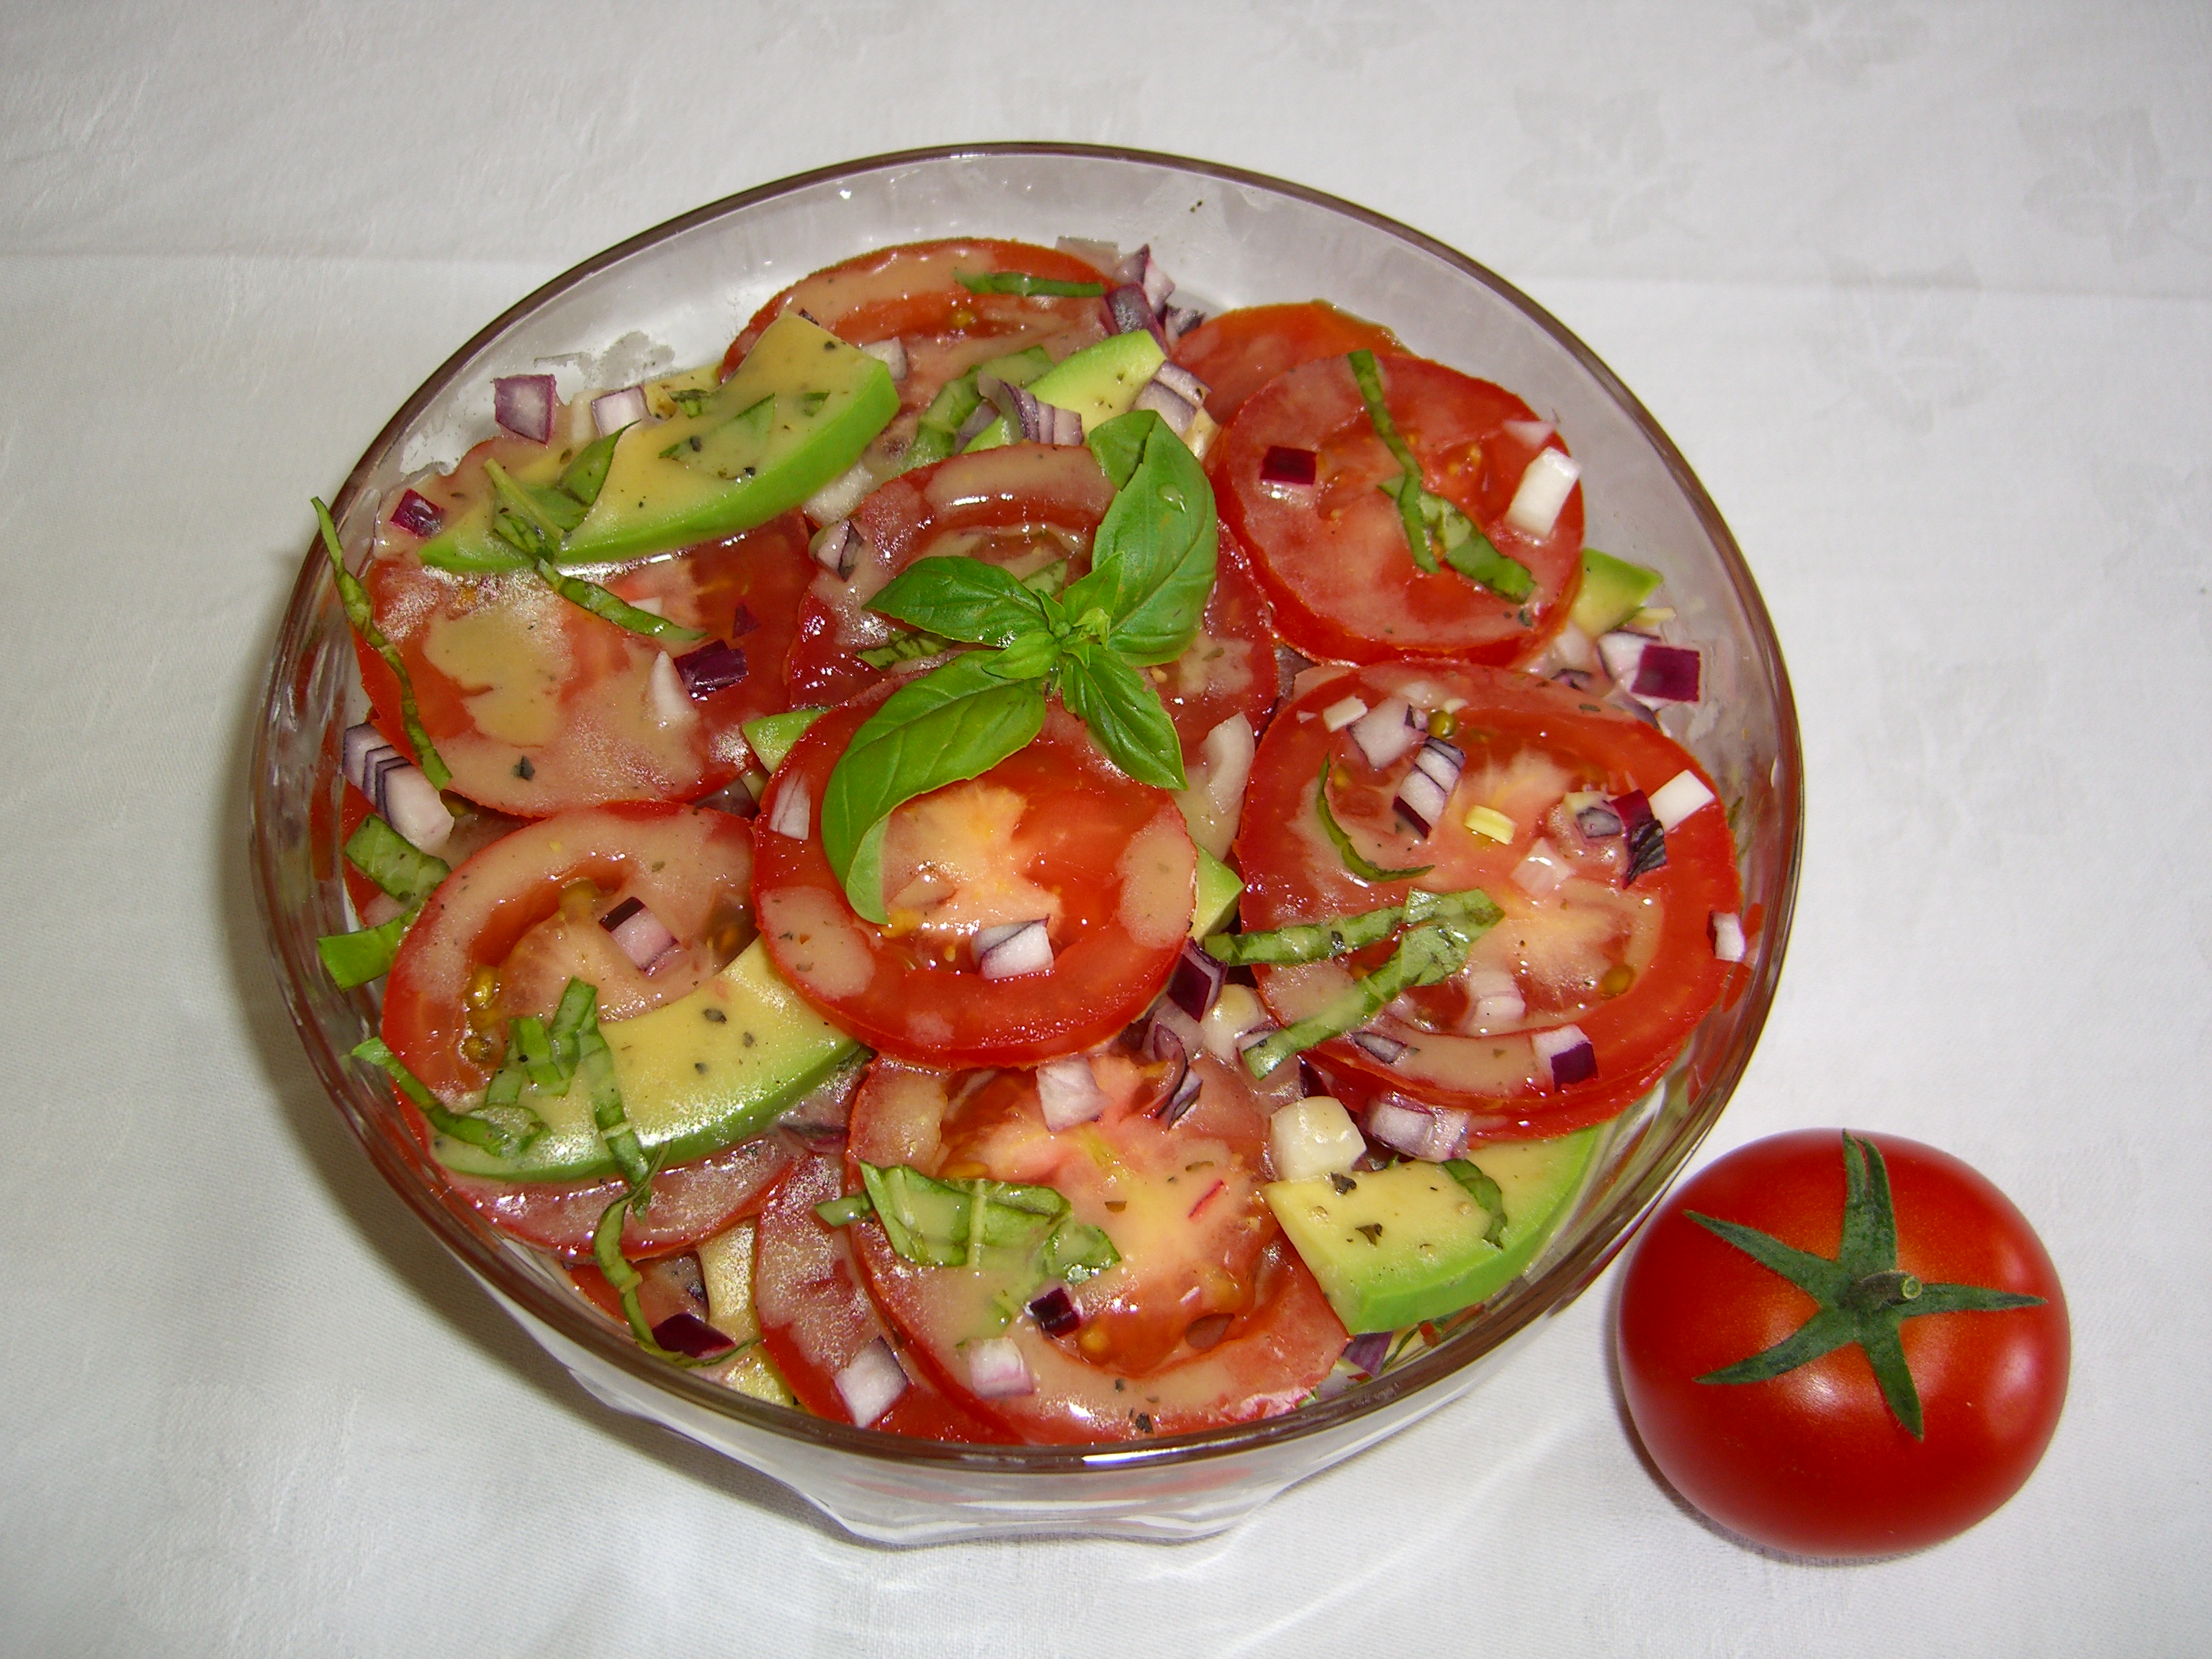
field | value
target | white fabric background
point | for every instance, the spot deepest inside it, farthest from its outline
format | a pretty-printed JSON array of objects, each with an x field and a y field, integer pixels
[{"x": 1923, "y": 291}]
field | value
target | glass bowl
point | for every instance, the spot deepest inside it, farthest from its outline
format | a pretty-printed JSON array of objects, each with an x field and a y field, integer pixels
[{"x": 1231, "y": 238}]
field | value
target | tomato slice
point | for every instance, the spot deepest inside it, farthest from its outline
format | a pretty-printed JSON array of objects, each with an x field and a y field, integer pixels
[
  {"x": 690, "y": 1202},
  {"x": 1239, "y": 351},
  {"x": 815, "y": 1317},
  {"x": 911, "y": 293},
  {"x": 1055, "y": 831},
  {"x": 1206, "y": 1319},
  {"x": 1024, "y": 506},
  {"x": 538, "y": 706},
  {"x": 1334, "y": 557},
  {"x": 1631, "y": 967},
  {"x": 528, "y": 908}
]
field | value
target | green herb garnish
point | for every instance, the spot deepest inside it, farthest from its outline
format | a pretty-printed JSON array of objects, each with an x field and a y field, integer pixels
[
  {"x": 949, "y": 1224},
  {"x": 1152, "y": 567},
  {"x": 503, "y": 1131},
  {"x": 365, "y": 954},
  {"x": 393, "y": 862},
  {"x": 1354, "y": 860},
  {"x": 1020, "y": 281},
  {"x": 359, "y": 613},
  {"x": 1318, "y": 941},
  {"x": 1484, "y": 1191},
  {"x": 1433, "y": 525},
  {"x": 601, "y": 604}
]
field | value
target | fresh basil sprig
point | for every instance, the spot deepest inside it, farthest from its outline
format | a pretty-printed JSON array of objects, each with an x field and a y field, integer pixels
[
  {"x": 1433, "y": 524},
  {"x": 1151, "y": 568},
  {"x": 363, "y": 616}
]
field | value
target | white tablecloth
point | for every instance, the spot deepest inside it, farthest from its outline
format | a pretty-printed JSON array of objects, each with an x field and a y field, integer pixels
[{"x": 1924, "y": 292}]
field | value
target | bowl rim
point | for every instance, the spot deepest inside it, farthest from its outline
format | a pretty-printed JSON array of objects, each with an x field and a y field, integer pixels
[{"x": 1562, "y": 1276}]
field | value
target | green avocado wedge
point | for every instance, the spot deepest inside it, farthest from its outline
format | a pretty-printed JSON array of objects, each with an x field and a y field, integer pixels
[
  {"x": 1396, "y": 1246},
  {"x": 698, "y": 1074},
  {"x": 1099, "y": 383},
  {"x": 797, "y": 413}
]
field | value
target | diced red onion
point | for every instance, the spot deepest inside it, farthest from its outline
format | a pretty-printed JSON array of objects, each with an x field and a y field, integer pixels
[
  {"x": 1543, "y": 872},
  {"x": 403, "y": 797},
  {"x": 1566, "y": 1053},
  {"x": 836, "y": 500},
  {"x": 996, "y": 1370},
  {"x": 1424, "y": 793},
  {"x": 1184, "y": 384},
  {"x": 690, "y": 1336},
  {"x": 1059, "y": 426},
  {"x": 1144, "y": 271},
  {"x": 714, "y": 666},
  {"x": 836, "y": 546},
  {"x": 618, "y": 410},
  {"x": 1164, "y": 1044},
  {"x": 1598, "y": 820},
  {"x": 1388, "y": 1049},
  {"x": 1386, "y": 732},
  {"x": 1132, "y": 312},
  {"x": 1171, "y": 406},
  {"x": 871, "y": 1383},
  {"x": 1679, "y": 796},
  {"x": 793, "y": 814},
  {"x": 1665, "y": 673},
  {"x": 1534, "y": 433},
  {"x": 1575, "y": 679},
  {"x": 416, "y": 516},
  {"x": 1543, "y": 490},
  {"x": 1178, "y": 321},
  {"x": 1054, "y": 1311},
  {"x": 641, "y": 935},
  {"x": 1646, "y": 840},
  {"x": 1013, "y": 949},
  {"x": 524, "y": 404},
  {"x": 1365, "y": 1354},
  {"x": 1068, "y": 1092},
  {"x": 1431, "y": 1137},
  {"x": 1017, "y": 403},
  {"x": 742, "y": 620},
  {"x": 1196, "y": 981},
  {"x": 979, "y": 417},
  {"x": 1284, "y": 468},
  {"x": 1180, "y": 1099},
  {"x": 1726, "y": 928},
  {"x": 891, "y": 354}
]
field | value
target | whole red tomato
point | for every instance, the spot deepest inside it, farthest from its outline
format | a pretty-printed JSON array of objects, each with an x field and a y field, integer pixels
[{"x": 1822, "y": 1458}]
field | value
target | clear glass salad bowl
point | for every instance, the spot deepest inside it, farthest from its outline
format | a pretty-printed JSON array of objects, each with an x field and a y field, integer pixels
[{"x": 1230, "y": 238}]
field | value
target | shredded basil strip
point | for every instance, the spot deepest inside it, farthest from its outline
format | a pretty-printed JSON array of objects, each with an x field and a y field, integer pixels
[
  {"x": 1318, "y": 941},
  {"x": 607, "y": 1252},
  {"x": 1429, "y": 952},
  {"x": 363, "y": 616},
  {"x": 394, "y": 863},
  {"x": 1020, "y": 281},
  {"x": 506, "y": 1135},
  {"x": 601, "y": 604},
  {"x": 1433, "y": 524},
  {"x": 365, "y": 954},
  {"x": 1484, "y": 1191},
  {"x": 944, "y": 1223},
  {"x": 1360, "y": 866}
]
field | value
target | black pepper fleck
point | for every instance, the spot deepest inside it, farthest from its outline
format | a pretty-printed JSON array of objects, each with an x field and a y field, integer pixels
[{"x": 716, "y": 1015}]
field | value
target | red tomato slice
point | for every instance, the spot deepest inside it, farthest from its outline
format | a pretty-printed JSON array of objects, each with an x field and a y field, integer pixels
[
  {"x": 527, "y": 906},
  {"x": 690, "y": 1202},
  {"x": 1240, "y": 351},
  {"x": 1206, "y": 1319},
  {"x": 1334, "y": 558},
  {"x": 1024, "y": 506},
  {"x": 537, "y": 706},
  {"x": 815, "y": 1318},
  {"x": 1053, "y": 832},
  {"x": 1528, "y": 743},
  {"x": 911, "y": 293}
]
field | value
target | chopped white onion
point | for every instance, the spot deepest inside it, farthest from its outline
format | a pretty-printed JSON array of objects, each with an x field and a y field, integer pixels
[
  {"x": 1313, "y": 1137},
  {"x": 413, "y": 807},
  {"x": 795, "y": 813},
  {"x": 1227, "y": 755},
  {"x": 1728, "y": 936},
  {"x": 996, "y": 1370},
  {"x": 1386, "y": 732},
  {"x": 618, "y": 410},
  {"x": 1622, "y": 652},
  {"x": 1068, "y": 1093},
  {"x": 1543, "y": 873},
  {"x": 1679, "y": 796},
  {"x": 1496, "y": 996},
  {"x": 1236, "y": 1013},
  {"x": 1012, "y": 949},
  {"x": 1431, "y": 1137},
  {"x": 663, "y": 687},
  {"x": 1341, "y": 714},
  {"x": 1543, "y": 490},
  {"x": 836, "y": 546},
  {"x": 836, "y": 500},
  {"x": 891, "y": 354},
  {"x": 1531, "y": 433},
  {"x": 871, "y": 1383},
  {"x": 1574, "y": 648}
]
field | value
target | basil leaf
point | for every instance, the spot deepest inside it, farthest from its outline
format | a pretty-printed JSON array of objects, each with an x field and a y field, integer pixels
[
  {"x": 365, "y": 954},
  {"x": 904, "y": 647},
  {"x": 600, "y": 603},
  {"x": 558, "y": 506},
  {"x": 587, "y": 474},
  {"x": 950, "y": 725},
  {"x": 1020, "y": 281},
  {"x": 1354, "y": 860},
  {"x": 1030, "y": 657},
  {"x": 393, "y": 862},
  {"x": 961, "y": 598},
  {"x": 521, "y": 519},
  {"x": 362, "y": 616},
  {"x": 1124, "y": 714},
  {"x": 1152, "y": 560},
  {"x": 1316, "y": 941},
  {"x": 1427, "y": 954}
]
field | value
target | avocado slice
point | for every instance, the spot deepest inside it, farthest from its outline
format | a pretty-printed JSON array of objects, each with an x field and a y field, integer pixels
[
  {"x": 798, "y": 413},
  {"x": 1099, "y": 383},
  {"x": 1613, "y": 591},
  {"x": 1217, "y": 888},
  {"x": 701, "y": 1074},
  {"x": 1396, "y": 1246}
]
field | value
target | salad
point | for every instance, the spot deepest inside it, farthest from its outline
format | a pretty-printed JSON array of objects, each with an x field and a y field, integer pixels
[{"x": 1012, "y": 863}]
